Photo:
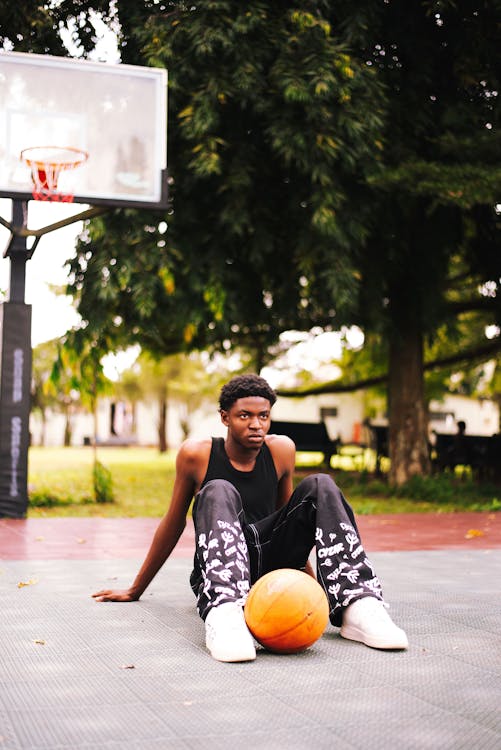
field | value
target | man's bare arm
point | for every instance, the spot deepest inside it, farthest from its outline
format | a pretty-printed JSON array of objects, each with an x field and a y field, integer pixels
[
  {"x": 283, "y": 452},
  {"x": 164, "y": 540},
  {"x": 189, "y": 463}
]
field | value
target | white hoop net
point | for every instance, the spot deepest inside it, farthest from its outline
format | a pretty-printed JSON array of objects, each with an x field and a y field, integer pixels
[{"x": 46, "y": 164}]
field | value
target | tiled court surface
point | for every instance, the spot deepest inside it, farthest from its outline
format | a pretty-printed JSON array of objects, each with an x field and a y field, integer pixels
[
  {"x": 102, "y": 538},
  {"x": 79, "y": 674}
]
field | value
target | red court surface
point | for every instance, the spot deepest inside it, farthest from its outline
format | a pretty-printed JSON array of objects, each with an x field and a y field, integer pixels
[{"x": 104, "y": 538}]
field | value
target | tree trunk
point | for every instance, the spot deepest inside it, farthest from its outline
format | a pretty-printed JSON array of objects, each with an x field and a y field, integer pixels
[
  {"x": 43, "y": 437},
  {"x": 133, "y": 422},
  {"x": 94, "y": 440},
  {"x": 162, "y": 424},
  {"x": 408, "y": 416},
  {"x": 67, "y": 428}
]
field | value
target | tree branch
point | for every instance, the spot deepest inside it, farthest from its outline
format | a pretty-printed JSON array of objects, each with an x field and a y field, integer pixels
[
  {"x": 465, "y": 357},
  {"x": 474, "y": 303}
]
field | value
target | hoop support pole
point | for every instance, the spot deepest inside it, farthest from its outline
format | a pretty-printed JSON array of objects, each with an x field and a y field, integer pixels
[{"x": 23, "y": 231}]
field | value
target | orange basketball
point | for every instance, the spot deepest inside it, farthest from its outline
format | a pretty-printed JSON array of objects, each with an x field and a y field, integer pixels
[{"x": 286, "y": 611}]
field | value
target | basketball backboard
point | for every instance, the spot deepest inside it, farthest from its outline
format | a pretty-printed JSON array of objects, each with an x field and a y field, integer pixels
[{"x": 115, "y": 114}]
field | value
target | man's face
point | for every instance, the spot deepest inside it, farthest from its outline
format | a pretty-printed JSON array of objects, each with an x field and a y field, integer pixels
[{"x": 248, "y": 420}]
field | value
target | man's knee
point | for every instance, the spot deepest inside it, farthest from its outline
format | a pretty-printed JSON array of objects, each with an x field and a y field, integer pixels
[
  {"x": 321, "y": 491},
  {"x": 314, "y": 484},
  {"x": 219, "y": 487},
  {"x": 217, "y": 494}
]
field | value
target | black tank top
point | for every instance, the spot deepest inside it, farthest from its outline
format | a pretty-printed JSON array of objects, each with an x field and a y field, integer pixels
[{"x": 257, "y": 488}]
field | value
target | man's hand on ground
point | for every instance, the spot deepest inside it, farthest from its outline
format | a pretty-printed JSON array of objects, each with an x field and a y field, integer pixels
[{"x": 111, "y": 595}]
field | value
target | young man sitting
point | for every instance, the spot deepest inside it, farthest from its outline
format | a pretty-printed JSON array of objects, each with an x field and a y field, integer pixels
[{"x": 248, "y": 521}]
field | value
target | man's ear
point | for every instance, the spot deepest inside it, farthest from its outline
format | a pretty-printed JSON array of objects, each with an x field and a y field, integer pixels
[{"x": 224, "y": 417}]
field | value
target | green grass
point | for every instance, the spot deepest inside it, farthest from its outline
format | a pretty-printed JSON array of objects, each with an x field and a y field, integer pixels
[{"x": 60, "y": 484}]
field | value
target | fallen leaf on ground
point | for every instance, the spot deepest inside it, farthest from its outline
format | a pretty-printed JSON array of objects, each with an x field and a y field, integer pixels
[
  {"x": 31, "y": 582},
  {"x": 473, "y": 533}
]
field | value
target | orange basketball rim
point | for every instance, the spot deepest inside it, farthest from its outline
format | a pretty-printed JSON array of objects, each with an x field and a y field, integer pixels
[{"x": 46, "y": 164}]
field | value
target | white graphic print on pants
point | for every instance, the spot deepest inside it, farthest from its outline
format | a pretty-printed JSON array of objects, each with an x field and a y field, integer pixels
[
  {"x": 339, "y": 566},
  {"x": 226, "y": 562}
]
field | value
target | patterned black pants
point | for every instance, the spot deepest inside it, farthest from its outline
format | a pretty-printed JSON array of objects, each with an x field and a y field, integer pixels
[{"x": 232, "y": 554}]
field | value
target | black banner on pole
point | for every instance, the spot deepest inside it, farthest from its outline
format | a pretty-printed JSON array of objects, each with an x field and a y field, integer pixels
[{"x": 15, "y": 403}]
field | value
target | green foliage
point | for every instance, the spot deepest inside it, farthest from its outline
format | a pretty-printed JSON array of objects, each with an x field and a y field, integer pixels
[
  {"x": 143, "y": 479},
  {"x": 61, "y": 481},
  {"x": 321, "y": 155},
  {"x": 78, "y": 367},
  {"x": 47, "y": 499},
  {"x": 43, "y": 395},
  {"x": 270, "y": 133},
  {"x": 32, "y": 26},
  {"x": 463, "y": 185},
  {"x": 189, "y": 380},
  {"x": 103, "y": 483},
  {"x": 443, "y": 492},
  {"x": 331, "y": 163}
]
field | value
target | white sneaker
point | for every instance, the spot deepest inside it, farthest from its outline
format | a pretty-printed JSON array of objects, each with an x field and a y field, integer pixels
[
  {"x": 226, "y": 634},
  {"x": 367, "y": 621}
]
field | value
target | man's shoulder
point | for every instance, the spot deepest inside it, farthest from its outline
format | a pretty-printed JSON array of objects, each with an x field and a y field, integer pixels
[
  {"x": 279, "y": 442},
  {"x": 193, "y": 459},
  {"x": 283, "y": 451},
  {"x": 193, "y": 448}
]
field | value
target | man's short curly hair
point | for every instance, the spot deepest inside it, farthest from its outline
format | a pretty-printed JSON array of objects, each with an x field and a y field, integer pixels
[{"x": 242, "y": 386}]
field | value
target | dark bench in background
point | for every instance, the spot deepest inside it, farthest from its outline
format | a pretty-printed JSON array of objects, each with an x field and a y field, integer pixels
[
  {"x": 308, "y": 437},
  {"x": 481, "y": 453},
  {"x": 379, "y": 443}
]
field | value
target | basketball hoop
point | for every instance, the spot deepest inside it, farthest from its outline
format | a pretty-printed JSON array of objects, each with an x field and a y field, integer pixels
[{"x": 46, "y": 164}]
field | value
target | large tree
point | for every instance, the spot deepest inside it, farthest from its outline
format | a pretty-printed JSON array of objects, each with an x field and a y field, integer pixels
[
  {"x": 272, "y": 133},
  {"x": 332, "y": 163},
  {"x": 300, "y": 209},
  {"x": 434, "y": 243},
  {"x": 432, "y": 256}
]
